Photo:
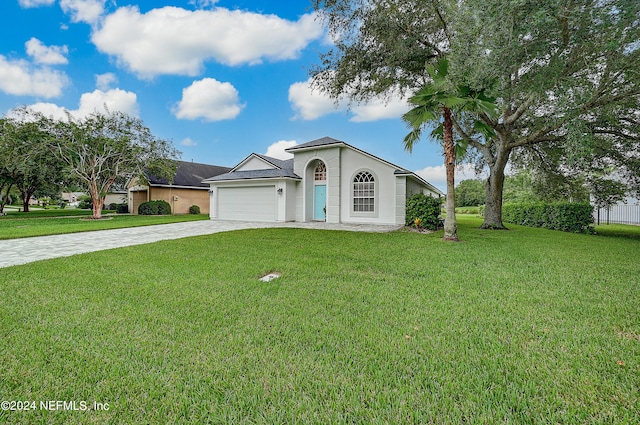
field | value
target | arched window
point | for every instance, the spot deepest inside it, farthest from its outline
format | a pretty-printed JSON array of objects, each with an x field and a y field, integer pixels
[
  {"x": 320, "y": 173},
  {"x": 364, "y": 199}
]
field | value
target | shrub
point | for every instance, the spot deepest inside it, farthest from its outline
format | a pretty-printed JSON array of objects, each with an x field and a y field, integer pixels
[
  {"x": 85, "y": 202},
  {"x": 564, "y": 216},
  {"x": 158, "y": 207},
  {"x": 119, "y": 208},
  {"x": 164, "y": 208},
  {"x": 423, "y": 211},
  {"x": 194, "y": 209}
]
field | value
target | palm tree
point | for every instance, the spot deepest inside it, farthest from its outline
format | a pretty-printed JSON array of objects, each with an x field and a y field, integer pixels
[{"x": 434, "y": 104}]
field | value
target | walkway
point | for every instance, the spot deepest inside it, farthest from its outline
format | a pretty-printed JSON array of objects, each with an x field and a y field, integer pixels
[{"x": 21, "y": 251}]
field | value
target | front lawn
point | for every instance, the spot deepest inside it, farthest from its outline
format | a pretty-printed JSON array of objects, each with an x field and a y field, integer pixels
[
  {"x": 25, "y": 225},
  {"x": 520, "y": 326}
]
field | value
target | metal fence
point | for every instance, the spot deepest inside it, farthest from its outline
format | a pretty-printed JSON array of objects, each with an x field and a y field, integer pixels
[{"x": 621, "y": 214}]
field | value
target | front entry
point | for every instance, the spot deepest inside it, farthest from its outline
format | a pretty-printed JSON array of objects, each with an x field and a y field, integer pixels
[{"x": 320, "y": 202}]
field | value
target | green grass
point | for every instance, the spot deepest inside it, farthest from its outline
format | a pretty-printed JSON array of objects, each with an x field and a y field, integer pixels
[
  {"x": 11, "y": 227},
  {"x": 39, "y": 212},
  {"x": 520, "y": 326},
  {"x": 619, "y": 230}
]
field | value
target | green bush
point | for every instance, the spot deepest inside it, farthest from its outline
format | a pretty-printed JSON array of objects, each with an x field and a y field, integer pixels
[
  {"x": 423, "y": 211},
  {"x": 564, "y": 216},
  {"x": 148, "y": 208},
  {"x": 158, "y": 207},
  {"x": 194, "y": 209},
  {"x": 119, "y": 208},
  {"x": 85, "y": 202},
  {"x": 164, "y": 208}
]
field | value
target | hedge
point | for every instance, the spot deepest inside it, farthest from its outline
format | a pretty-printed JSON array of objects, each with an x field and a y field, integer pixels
[
  {"x": 154, "y": 208},
  {"x": 564, "y": 216},
  {"x": 423, "y": 211}
]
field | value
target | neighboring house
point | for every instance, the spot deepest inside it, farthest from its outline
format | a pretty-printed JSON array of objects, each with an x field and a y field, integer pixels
[
  {"x": 327, "y": 180},
  {"x": 71, "y": 198},
  {"x": 187, "y": 188},
  {"x": 116, "y": 196}
]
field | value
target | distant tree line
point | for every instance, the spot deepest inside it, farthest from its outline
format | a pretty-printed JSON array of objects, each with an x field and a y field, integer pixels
[{"x": 525, "y": 186}]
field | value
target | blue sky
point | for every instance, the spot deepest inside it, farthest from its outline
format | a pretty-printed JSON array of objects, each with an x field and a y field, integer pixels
[{"x": 221, "y": 79}]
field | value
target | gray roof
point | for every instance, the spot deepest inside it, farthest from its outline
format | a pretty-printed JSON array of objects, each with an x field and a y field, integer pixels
[
  {"x": 324, "y": 141},
  {"x": 286, "y": 164},
  {"x": 284, "y": 169},
  {"x": 190, "y": 174}
]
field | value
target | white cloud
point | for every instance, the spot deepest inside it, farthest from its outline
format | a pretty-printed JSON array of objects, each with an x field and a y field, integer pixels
[
  {"x": 35, "y": 3},
  {"x": 277, "y": 149},
  {"x": 20, "y": 78},
  {"x": 88, "y": 11},
  {"x": 51, "y": 55},
  {"x": 188, "y": 142},
  {"x": 379, "y": 109},
  {"x": 105, "y": 81},
  {"x": 115, "y": 100},
  {"x": 437, "y": 175},
  {"x": 172, "y": 40},
  {"x": 209, "y": 99},
  {"x": 310, "y": 104}
]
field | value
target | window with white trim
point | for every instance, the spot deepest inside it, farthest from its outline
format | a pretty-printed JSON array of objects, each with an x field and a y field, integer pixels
[{"x": 364, "y": 199}]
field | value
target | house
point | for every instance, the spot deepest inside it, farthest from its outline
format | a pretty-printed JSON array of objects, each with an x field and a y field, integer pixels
[
  {"x": 326, "y": 180},
  {"x": 186, "y": 189},
  {"x": 71, "y": 198},
  {"x": 116, "y": 195}
]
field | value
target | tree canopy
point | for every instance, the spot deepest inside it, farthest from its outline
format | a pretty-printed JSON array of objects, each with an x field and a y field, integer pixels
[
  {"x": 565, "y": 75},
  {"x": 103, "y": 149},
  {"x": 25, "y": 162},
  {"x": 98, "y": 151}
]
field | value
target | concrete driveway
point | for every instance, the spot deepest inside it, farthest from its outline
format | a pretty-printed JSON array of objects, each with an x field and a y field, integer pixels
[{"x": 27, "y": 250}]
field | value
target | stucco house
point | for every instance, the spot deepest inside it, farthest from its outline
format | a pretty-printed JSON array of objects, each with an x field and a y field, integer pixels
[
  {"x": 326, "y": 180},
  {"x": 186, "y": 189}
]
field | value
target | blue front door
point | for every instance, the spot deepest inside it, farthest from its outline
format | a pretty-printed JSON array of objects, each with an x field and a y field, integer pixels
[{"x": 319, "y": 202}]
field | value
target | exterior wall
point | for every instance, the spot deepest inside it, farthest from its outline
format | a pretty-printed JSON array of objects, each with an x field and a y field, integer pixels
[
  {"x": 401, "y": 198},
  {"x": 179, "y": 199},
  {"x": 413, "y": 188},
  {"x": 385, "y": 186},
  {"x": 115, "y": 198},
  {"x": 255, "y": 164}
]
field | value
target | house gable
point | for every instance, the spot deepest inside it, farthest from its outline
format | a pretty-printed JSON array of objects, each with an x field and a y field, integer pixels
[{"x": 255, "y": 162}]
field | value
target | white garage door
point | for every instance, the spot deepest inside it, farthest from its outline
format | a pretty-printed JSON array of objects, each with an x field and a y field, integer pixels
[{"x": 253, "y": 203}]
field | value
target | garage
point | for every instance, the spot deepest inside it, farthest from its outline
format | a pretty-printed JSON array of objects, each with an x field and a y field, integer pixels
[{"x": 250, "y": 203}]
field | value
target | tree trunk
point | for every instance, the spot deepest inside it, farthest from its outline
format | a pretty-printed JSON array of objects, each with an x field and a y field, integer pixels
[
  {"x": 450, "y": 224},
  {"x": 495, "y": 185},
  {"x": 98, "y": 203},
  {"x": 25, "y": 200},
  {"x": 4, "y": 195}
]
